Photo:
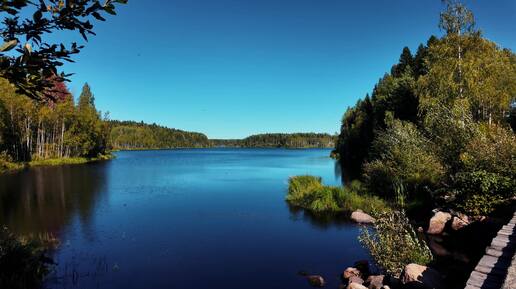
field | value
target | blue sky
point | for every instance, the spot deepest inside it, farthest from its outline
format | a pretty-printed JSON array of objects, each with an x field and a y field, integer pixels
[{"x": 231, "y": 68}]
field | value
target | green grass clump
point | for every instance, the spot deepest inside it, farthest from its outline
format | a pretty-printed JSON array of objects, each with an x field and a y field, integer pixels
[
  {"x": 68, "y": 161},
  {"x": 309, "y": 193}
]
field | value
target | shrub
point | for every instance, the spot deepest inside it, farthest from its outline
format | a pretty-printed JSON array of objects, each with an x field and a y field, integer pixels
[
  {"x": 299, "y": 187},
  {"x": 481, "y": 192},
  {"x": 393, "y": 243},
  {"x": 402, "y": 155},
  {"x": 22, "y": 263}
]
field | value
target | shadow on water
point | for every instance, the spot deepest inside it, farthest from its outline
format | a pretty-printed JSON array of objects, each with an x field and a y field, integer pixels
[
  {"x": 46, "y": 199},
  {"x": 321, "y": 221}
]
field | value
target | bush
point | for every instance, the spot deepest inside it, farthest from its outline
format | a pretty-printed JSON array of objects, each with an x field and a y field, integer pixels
[
  {"x": 481, "y": 192},
  {"x": 402, "y": 155},
  {"x": 393, "y": 243},
  {"x": 309, "y": 193},
  {"x": 7, "y": 164},
  {"x": 22, "y": 263}
]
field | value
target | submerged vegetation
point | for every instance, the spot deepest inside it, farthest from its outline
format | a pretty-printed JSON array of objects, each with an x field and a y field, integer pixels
[{"x": 309, "y": 193}]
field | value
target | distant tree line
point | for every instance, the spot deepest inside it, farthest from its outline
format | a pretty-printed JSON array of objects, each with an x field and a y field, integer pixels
[
  {"x": 283, "y": 140},
  {"x": 55, "y": 128},
  {"x": 131, "y": 135}
]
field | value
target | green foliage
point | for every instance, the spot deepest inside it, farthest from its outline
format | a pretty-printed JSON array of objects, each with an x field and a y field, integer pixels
[
  {"x": 394, "y": 94},
  {"x": 402, "y": 157},
  {"x": 393, "y": 243},
  {"x": 481, "y": 192},
  {"x": 31, "y": 130},
  {"x": 439, "y": 122},
  {"x": 130, "y": 135},
  {"x": 7, "y": 164},
  {"x": 283, "y": 140},
  {"x": 28, "y": 24},
  {"x": 309, "y": 193},
  {"x": 493, "y": 149},
  {"x": 22, "y": 263}
]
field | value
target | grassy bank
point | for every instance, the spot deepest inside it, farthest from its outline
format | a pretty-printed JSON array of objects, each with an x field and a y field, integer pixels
[
  {"x": 308, "y": 192},
  {"x": 7, "y": 166}
]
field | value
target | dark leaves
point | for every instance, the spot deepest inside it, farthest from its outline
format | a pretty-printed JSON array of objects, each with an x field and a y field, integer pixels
[{"x": 31, "y": 62}]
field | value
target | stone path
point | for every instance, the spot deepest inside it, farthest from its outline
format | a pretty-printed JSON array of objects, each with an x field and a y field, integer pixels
[{"x": 497, "y": 269}]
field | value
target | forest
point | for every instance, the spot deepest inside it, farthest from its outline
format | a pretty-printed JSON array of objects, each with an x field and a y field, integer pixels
[
  {"x": 130, "y": 135},
  {"x": 283, "y": 140},
  {"x": 56, "y": 128},
  {"x": 440, "y": 125}
]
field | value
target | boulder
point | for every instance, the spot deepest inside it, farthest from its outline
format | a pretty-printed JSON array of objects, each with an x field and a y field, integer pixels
[
  {"x": 363, "y": 267},
  {"x": 374, "y": 281},
  {"x": 459, "y": 222},
  {"x": 350, "y": 272},
  {"x": 419, "y": 276},
  {"x": 356, "y": 286},
  {"x": 355, "y": 279},
  {"x": 316, "y": 280},
  {"x": 360, "y": 217},
  {"x": 438, "y": 222}
]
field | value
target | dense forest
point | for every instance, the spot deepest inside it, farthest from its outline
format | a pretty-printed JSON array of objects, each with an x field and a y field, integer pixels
[
  {"x": 438, "y": 126},
  {"x": 55, "y": 128},
  {"x": 284, "y": 140},
  {"x": 130, "y": 135}
]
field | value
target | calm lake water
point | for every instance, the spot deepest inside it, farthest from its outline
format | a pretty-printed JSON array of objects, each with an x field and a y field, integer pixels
[{"x": 212, "y": 218}]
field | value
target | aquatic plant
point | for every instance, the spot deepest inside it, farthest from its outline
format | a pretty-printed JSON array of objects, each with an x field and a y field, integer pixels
[{"x": 309, "y": 193}]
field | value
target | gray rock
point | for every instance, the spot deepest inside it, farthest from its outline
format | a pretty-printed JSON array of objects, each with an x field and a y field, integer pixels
[
  {"x": 360, "y": 217},
  {"x": 438, "y": 222},
  {"x": 316, "y": 280},
  {"x": 374, "y": 281},
  {"x": 420, "y": 276}
]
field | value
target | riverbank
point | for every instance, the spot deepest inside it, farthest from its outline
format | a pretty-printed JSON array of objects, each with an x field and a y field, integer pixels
[{"x": 6, "y": 166}]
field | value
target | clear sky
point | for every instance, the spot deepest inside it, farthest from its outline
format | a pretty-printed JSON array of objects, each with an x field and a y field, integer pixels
[{"x": 231, "y": 68}]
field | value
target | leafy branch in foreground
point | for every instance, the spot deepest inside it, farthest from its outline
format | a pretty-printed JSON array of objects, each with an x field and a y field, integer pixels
[
  {"x": 393, "y": 243},
  {"x": 26, "y": 59}
]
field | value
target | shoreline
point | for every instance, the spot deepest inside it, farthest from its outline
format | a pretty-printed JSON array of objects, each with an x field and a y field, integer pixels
[{"x": 10, "y": 167}]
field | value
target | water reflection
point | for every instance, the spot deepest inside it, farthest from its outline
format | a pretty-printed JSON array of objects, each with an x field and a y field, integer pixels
[
  {"x": 321, "y": 221},
  {"x": 46, "y": 199}
]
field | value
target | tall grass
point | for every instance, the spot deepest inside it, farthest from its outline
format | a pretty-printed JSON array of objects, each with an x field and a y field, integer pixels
[{"x": 309, "y": 193}]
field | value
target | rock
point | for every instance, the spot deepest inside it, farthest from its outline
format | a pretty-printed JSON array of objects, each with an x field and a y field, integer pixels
[
  {"x": 360, "y": 217},
  {"x": 363, "y": 267},
  {"x": 392, "y": 282},
  {"x": 355, "y": 279},
  {"x": 459, "y": 222},
  {"x": 420, "y": 276},
  {"x": 438, "y": 222},
  {"x": 350, "y": 272},
  {"x": 316, "y": 280},
  {"x": 356, "y": 286},
  {"x": 374, "y": 281}
]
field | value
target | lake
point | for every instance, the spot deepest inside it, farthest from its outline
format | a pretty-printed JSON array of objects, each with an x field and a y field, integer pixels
[{"x": 185, "y": 218}]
